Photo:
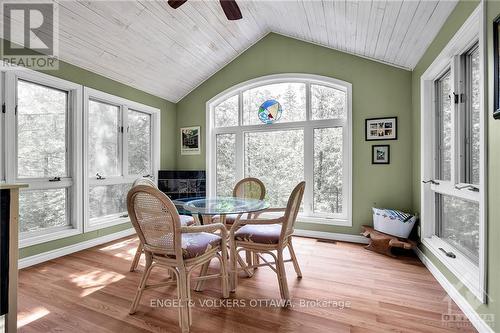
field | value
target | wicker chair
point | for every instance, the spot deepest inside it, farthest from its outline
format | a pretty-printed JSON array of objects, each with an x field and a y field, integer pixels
[
  {"x": 179, "y": 249},
  {"x": 186, "y": 220},
  {"x": 262, "y": 236}
]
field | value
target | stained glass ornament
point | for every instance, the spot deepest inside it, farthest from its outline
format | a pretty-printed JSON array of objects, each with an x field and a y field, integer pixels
[{"x": 270, "y": 111}]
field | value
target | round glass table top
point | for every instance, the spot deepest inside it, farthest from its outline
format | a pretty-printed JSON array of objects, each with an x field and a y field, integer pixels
[{"x": 224, "y": 205}]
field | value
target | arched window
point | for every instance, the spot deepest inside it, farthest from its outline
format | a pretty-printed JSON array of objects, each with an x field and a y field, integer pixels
[{"x": 311, "y": 141}]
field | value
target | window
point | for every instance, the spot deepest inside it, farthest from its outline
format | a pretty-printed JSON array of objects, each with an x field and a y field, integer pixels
[
  {"x": 42, "y": 117},
  {"x": 311, "y": 141},
  {"x": 120, "y": 147},
  {"x": 453, "y": 196},
  {"x": 79, "y": 165}
]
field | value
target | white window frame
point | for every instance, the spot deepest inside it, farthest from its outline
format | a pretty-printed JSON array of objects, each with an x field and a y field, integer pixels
[
  {"x": 124, "y": 178},
  {"x": 471, "y": 275},
  {"x": 2, "y": 127},
  {"x": 74, "y": 156},
  {"x": 344, "y": 219}
]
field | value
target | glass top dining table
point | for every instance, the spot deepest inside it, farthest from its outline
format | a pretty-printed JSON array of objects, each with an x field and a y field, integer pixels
[{"x": 209, "y": 206}]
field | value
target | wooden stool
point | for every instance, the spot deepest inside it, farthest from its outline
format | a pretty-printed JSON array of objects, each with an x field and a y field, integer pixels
[{"x": 383, "y": 243}]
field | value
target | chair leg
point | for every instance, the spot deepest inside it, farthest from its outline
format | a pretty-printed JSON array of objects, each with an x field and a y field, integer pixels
[
  {"x": 256, "y": 259},
  {"x": 203, "y": 272},
  {"x": 243, "y": 265},
  {"x": 280, "y": 265},
  {"x": 142, "y": 284},
  {"x": 294, "y": 260},
  {"x": 224, "y": 275},
  {"x": 249, "y": 258},
  {"x": 137, "y": 256},
  {"x": 183, "y": 292}
]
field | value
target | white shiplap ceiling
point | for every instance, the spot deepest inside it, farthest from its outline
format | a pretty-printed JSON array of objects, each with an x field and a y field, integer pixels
[{"x": 167, "y": 52}]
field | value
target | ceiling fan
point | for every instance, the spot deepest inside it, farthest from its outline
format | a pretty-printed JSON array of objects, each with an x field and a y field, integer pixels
[{"x": 230, "y": 8}]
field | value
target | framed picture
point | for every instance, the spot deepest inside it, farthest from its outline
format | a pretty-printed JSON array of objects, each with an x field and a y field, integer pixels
[
  {"x": 381, "y": 128},
  {"x": 190, "y": 140},
  {"x": 381, "y": 154},
  {"x": 496, "y": 67}
]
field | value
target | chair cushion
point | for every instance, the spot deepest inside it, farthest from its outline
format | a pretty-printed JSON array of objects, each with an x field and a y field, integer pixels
[
  {"x": 186, "y": 220},
  {"x": 259, "y": 233},
  {"x": 196, "y": 244}
]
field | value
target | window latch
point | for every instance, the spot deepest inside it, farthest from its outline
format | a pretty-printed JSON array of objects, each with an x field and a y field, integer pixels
[
  {"x": 55, "y": 179},
  {"x": 448, "y": 254},
  {"x": 124, "y": 216},
  {"x": 467, "y": 186},
  {"x": 432, "y": 181},
  {"x": 455, "y": 98},
  {"x": 99, "y": 177},
  {"x": 147, "y": 176}
]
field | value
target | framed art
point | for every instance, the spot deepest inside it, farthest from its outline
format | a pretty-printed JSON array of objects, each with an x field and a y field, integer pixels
[
  {"x": 190, "y": 140},
  {"x": 496, "y": 68},
  {"x": 381, "y": 128},
  {"x": 381, "y": 154}
]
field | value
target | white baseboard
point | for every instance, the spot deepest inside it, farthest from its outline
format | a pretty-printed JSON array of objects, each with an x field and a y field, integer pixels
[
  {"x": 460, "y": 300},
  {"x": 49, "y": 255},
  {"x": 331, "y": 236}
]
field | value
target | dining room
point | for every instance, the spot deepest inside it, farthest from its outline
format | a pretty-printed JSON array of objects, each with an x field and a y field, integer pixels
[{"x": 260, "y": 166}]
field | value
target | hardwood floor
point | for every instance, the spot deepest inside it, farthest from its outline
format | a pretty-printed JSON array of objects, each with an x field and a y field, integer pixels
[{"x": 91, "y": 291}]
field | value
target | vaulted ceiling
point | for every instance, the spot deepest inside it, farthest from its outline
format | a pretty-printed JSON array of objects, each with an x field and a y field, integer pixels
[{"x": 167, "y": 52}]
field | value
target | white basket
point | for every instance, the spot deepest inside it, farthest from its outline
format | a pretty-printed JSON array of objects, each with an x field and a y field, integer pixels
[{"x": 392, "y": 226}]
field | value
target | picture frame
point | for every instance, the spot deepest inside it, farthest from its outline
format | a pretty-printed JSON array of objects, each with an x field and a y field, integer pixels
[
  {"x": 381, "y": 154},
  {"x": 384, "y": 128},
  {"x": 496, "y": 67},
  {"x": 191, "y": 140}
]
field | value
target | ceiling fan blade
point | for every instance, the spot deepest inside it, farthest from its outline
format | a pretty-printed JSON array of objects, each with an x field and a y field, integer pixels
[
  {"x": 175, "y": 3},
  {"x": 231, "y": 9}
]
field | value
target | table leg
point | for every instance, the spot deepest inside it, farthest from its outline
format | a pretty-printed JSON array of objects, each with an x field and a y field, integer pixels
[{"x": 196, "y": 219}]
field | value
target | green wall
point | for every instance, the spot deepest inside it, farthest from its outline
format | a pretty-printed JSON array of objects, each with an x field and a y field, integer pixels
[
  {"x": 378, "y": 90},
  {"x": 168, "y": 130},
  {"x": 462, "y": 11}
]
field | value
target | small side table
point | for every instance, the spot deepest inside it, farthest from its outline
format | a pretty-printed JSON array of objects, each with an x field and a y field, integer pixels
[{"x": 383, "y": 243}]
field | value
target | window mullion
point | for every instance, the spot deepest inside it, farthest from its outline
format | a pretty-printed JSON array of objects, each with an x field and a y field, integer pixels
[
  {"x": 308, "y": 169},
  {"x": 240, "y": 156},
  {"x": 455, "y": 121},
  {"x": 124, "y": 140},
  {"x": 10, "y": 128}
]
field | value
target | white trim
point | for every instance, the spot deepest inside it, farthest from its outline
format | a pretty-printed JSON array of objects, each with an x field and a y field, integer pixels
[
  {"x": 124, "y": 105},
  {"x": 63, "y": 251},
  {"x": 331, "y": 236},
  {"x": 344, "y": 219},
  {"x": 470, "y": 32},
  {"x": 455, "y": 295}
]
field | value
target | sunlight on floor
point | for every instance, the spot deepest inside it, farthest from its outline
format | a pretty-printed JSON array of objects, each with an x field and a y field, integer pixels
[
  {"x": 118, "y": 249},
  {"x": 26, "y": 317},
  {"x": 95, "y": 280}
]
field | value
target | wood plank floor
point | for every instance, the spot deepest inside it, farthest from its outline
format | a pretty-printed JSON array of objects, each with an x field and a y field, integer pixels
[{"x": 91, "y": 291}]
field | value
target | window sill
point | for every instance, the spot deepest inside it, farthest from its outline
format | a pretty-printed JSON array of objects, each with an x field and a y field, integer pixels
[
  {"x": 39, "y": 237},
  {"x": 105, "y": 222},
  {"x": 461, "y": 267},
  {"x": 333, "y": 221}
]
